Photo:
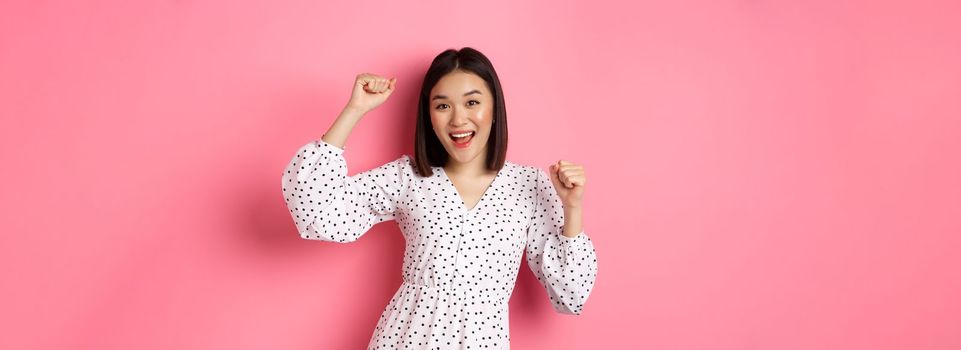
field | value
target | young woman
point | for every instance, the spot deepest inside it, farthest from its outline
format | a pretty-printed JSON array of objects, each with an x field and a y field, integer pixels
[{"x": 467, "y": 214}]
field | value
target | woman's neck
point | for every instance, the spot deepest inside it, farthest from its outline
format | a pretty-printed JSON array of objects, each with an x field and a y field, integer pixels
[{"x": 475, "y": 167}]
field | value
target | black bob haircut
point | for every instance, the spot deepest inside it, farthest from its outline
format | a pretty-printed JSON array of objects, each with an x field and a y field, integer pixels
[{"x": 428, "y": 150}]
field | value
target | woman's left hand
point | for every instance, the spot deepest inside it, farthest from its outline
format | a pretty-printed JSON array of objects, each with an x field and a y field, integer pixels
[{"x": 568, "y": 179}]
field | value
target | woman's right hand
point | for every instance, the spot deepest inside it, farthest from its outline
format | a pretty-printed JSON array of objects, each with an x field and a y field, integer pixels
[{"x": 370, "y": 91}]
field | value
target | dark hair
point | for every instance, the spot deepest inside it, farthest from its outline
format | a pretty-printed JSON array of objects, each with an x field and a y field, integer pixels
[{"x": 428, "y": 150}]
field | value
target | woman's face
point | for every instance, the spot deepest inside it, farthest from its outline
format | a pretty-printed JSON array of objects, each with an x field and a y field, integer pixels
[{"x": 461, "y": 102}]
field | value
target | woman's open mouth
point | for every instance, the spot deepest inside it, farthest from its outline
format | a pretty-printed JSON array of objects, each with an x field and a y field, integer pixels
[{"x": 462, "y": 140}]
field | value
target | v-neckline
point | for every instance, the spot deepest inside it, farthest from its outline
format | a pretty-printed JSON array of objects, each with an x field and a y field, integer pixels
[{"x": 490, "y": 187}]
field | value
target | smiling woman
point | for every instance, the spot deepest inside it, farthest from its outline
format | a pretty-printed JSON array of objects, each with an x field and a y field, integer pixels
[
  {"x": 467, "y": 214},
  {"x": 460, "y": 93}
]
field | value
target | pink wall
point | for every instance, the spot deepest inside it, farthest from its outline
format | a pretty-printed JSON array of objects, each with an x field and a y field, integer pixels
[{"x": 764, "y": 175}]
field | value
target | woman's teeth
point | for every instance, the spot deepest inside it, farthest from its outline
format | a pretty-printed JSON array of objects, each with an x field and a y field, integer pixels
[{"x": 462, "y": 138}]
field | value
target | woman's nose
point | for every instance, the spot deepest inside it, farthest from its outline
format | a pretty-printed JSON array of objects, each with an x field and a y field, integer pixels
[{"x": 460, "y": 117}]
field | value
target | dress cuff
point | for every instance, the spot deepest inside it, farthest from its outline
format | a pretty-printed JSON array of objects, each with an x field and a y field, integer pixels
[
  {"x": 577, "y": 239},
  {"x": 320, "y": 143}
]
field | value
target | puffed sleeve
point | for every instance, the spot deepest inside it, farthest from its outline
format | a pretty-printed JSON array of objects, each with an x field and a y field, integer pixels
[
  {"x": 565, "y": 266},
  {"x": 328, "y": 205}
]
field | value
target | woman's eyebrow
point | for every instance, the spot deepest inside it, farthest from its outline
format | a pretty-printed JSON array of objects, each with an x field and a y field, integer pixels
[{"x": 436, "y": 97}]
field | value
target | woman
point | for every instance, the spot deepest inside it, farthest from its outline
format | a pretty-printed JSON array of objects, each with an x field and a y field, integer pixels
[{"x": 466, "y": 213}]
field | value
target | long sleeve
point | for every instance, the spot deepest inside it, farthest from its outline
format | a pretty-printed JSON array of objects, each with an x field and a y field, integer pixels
[
  {"x": 565, "y": 266},
  {"x": 328, "y": 205}
]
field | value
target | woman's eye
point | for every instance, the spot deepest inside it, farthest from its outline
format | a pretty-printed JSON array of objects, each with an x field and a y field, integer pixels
[{"x": 475, "y": 102}]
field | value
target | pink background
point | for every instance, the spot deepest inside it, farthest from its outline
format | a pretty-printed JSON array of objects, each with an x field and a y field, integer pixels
[{"x": 763, "y": 175}]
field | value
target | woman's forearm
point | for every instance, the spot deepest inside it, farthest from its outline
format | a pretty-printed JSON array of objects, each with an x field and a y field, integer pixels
[
  {"x": 572, "y": 221},
  {"x": 341, "y": 128}
]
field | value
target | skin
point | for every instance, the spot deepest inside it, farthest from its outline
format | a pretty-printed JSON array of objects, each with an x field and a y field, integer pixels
[{"x": 460, "y": 101}]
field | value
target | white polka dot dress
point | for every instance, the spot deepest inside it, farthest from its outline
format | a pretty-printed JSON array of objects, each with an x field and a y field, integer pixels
[{"x": 460, "y": 264}]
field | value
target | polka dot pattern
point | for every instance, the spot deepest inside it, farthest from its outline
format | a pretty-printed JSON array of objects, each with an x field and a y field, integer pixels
[{"x": 460, "y": 264}]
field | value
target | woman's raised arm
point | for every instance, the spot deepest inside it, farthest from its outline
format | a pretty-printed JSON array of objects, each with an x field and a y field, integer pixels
[{"x": 327, "y": 204}]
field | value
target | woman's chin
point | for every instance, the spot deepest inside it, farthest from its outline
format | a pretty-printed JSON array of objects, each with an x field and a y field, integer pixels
[{"x": 461, "y": 155}]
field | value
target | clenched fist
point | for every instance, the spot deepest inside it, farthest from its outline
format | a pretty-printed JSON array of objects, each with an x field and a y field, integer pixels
[
  {"x": 568, "y": 179},
  {"x": 370, "y": 90}
]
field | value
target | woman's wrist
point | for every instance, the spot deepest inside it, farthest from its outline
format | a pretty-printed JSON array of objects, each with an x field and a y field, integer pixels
[{"x": 354, "y": 112}]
